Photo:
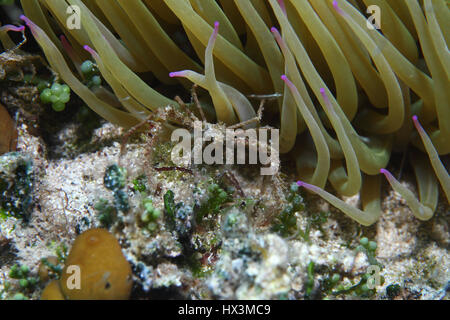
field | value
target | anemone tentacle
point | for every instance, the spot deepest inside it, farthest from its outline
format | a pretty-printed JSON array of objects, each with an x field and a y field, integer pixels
[{"x": 345, "y": 91}]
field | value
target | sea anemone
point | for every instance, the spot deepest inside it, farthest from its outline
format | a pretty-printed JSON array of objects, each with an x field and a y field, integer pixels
[{"x": 349, "y": 94}]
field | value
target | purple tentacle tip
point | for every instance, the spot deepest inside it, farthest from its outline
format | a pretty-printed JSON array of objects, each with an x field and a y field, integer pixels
[
  {"x": 14, "y": 28},
  {"x": 300, "y": 183},
  {"x": 384, "y": 171},
  {"x": 337, "y": 8},
  {"x": 24, "y": 18},
  {"x": 322, "y": 90},
  {"x": 417, "y": 124},
  {"x": 176, "y": 74},
  {"x": 89, "y": 49},
  {"x": 282, "y": 5},
  {"x": 216, "y": 24}
]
